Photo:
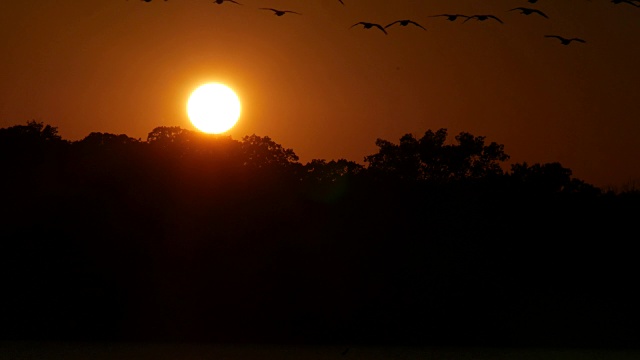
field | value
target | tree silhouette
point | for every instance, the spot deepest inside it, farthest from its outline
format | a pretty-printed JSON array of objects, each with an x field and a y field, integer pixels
[
  {"x": 548, "y": 178},
  {"x": 429, "y": 158},
  {"x": 28, "y": 134},
  {"x": 106, "y": 140},
  {"x": 167, "y": 134},
  {"x": 319, "y": 170},
  {"x": 99, "y": 236},
  {"x": 262, "y": 152},
  {"x": 21, "y": 145}
]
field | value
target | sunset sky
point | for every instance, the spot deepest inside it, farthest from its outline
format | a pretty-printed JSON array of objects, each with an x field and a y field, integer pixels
[{"x": 328, "y": 91}]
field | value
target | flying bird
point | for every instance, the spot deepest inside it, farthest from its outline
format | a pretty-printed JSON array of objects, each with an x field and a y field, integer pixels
[
  {"x": 405, "y": 23},
  {"x": 483, "y": 18},
  {"x": 565, "y": 41},
  {"x": 630, "y": 2},
  {"x": 451, "y": 17},
  {"x": 280, "y": 12},
  {"x": 222, "y": 1},
  {"x": 529, "y": 11},
  {"x": 368, "y": 25}
]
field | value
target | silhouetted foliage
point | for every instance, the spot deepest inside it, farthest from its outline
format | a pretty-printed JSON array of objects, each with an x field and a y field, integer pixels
[
  {"x": 319, "y": 170},
  {"x": 429, "y": 158},
  {"x": 548, "y": 178},
  {"x": 262, "y": 152},
  {"x": 188, "y": 236},
  {"x": 29, "y": 135},
  {"x": 33, "y": 143},
  {"x": 181, "y": 142}
]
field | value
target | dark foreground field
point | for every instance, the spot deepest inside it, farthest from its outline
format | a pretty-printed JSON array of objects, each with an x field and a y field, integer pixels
[{"x": 190, "y": 351}]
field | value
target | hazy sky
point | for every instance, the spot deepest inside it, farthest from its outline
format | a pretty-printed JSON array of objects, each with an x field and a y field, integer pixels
[{"x": 326, "y": 90}]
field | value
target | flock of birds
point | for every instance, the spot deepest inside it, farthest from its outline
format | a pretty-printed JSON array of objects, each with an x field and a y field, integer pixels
[{"x": 451, "y": 17}]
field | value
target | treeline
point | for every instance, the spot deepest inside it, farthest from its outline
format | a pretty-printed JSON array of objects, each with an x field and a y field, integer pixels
[{"x": 193, "y": 237}]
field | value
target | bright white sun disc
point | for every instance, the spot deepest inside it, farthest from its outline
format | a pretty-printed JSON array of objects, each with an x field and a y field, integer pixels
[{"x": 213, "y": 108}]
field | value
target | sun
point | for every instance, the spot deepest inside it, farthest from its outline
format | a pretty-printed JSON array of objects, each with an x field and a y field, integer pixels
[{"x": 213, "y": 108}]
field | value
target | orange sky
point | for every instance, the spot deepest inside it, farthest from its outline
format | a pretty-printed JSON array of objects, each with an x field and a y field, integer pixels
[{"x": 328, "y": 91}]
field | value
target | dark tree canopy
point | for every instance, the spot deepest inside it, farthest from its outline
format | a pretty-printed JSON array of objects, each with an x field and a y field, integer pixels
[
  {"x": 548, "y": 178},
  {"x": 261, "y": 152},
  {"x": 429, "y": 158},
  {"x": 322, "y": 171},
  {"x": 28, "y": 134},
  {"x": 195, "y": 237}
]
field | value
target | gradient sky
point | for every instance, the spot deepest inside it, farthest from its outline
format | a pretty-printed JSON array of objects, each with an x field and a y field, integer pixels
[{"x": 313, "y": 84}]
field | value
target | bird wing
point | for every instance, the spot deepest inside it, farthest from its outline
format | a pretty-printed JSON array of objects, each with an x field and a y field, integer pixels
[
  {"x": 397, "y": 21},
  {"x": 540, "y": 12},
  {"x": 268, "y": 9},
  {"x": 579, "y": 40},
  {"x": 293, "y": 12},
  {"x": 495, "y": 17},
  {"x": 381, "y": 28},
  {"x": 416, "y": 24}
]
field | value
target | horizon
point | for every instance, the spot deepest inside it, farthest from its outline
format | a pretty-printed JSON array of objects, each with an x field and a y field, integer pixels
[{"x": 505, "y": 165}]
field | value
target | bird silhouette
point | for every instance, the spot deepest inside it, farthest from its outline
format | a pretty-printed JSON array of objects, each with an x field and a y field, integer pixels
[
  {"x": 368, "y": 25},
  {"x": 222, "y": 1},
  {"x": 451, "y": 17},
  {"x": 630, "y": 2},
  {"x": 565, "y": 41},
  {"x": 341, "y": 2},
  {"x": 280, "y": 12},
  {"x": 483, "y": 18},
  {"x": 529, "y": 11},
  {"x": 405, "y": 23}
]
